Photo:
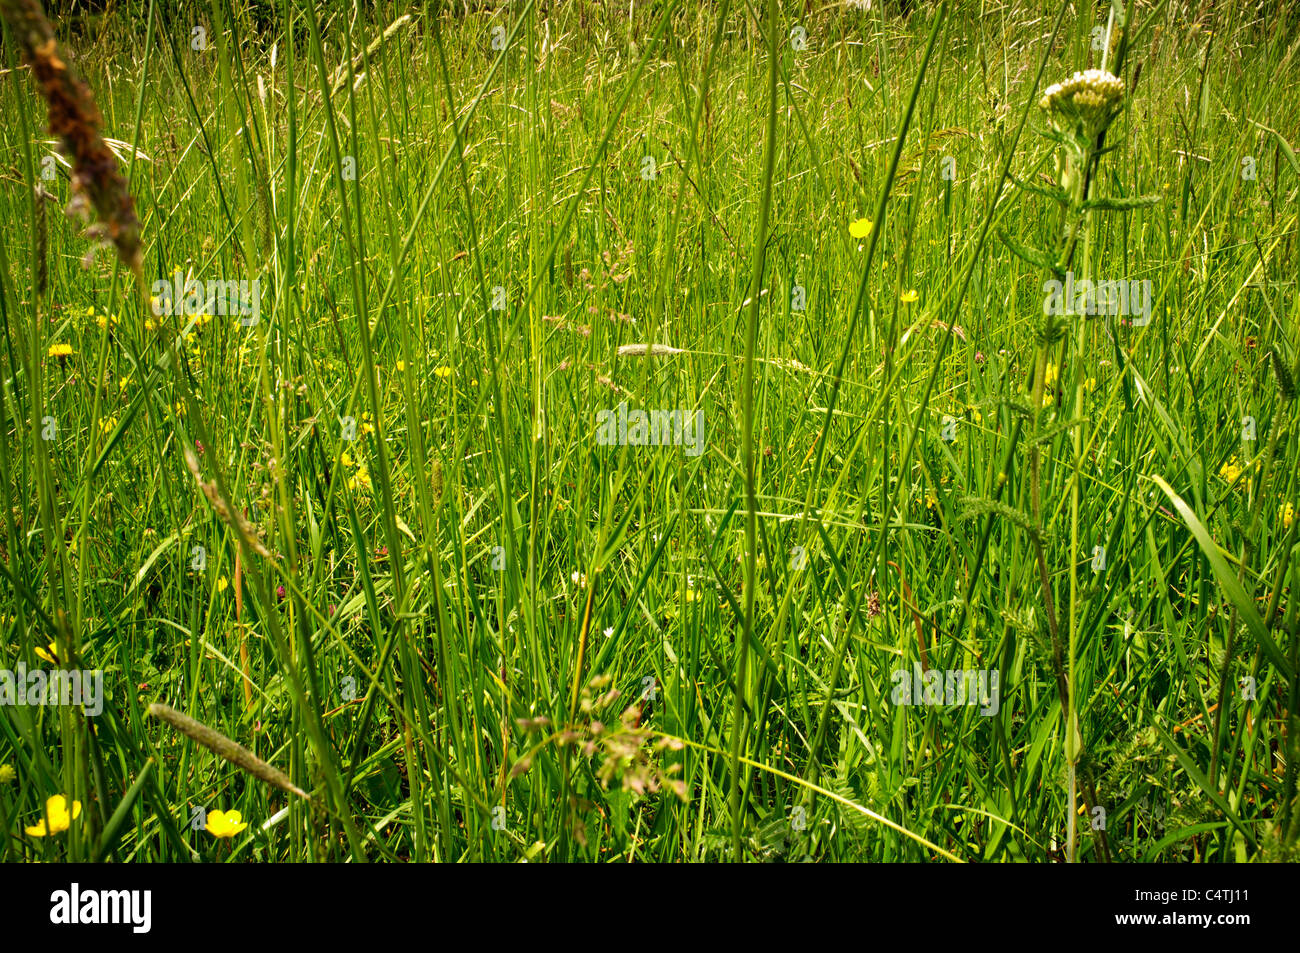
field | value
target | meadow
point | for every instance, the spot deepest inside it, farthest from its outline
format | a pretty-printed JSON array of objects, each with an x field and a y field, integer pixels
[{"x": 571, "y": 431}]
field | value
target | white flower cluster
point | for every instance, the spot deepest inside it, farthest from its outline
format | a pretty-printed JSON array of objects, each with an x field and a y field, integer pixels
[{"x": 1084, "y": 104}]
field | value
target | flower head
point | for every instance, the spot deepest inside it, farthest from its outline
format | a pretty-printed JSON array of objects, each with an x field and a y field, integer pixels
[
  {"x": 1084, "y": 105},
  {"x": 224, "y": 823},
  {"x": 7, "y": 773},
  {"x": 60, "y": 350},
  {"x": 1286, "y": 513},
  {"x": 907, "y": 297},
  {"x": 50, "y": 654},
  {"x": 860, "y": 228},
  {"x": 56, "y": 813},
  {"x": 1231, "y": 470}
]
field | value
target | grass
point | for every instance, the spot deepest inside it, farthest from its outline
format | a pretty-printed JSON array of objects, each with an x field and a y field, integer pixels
[{"x": 372, "y": 542}]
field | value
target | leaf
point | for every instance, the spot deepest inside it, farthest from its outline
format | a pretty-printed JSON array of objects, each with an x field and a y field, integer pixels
[
  {"x": 165, "y": 545},
  {"x": 1286, "y": 146},
  {"x": 1195, "y": 773},
  {"x": 1121, "y": 204},
  {"x": 123, "y": 811},
  {"x": 1032, "y": 255},
  {"x": 1244, "y": 605}
]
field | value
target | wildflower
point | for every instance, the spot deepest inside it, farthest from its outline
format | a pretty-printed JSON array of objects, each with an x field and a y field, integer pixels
[
  {"x": 443, "y": 371},
  {"x": 279, "y": 592},
  {"x": 7, "y": 773},
  {"x": 56, "y": 813},
  {"x": 222, "y": 584},
  {"x": 360, "y": 479},
  {"x": 123, "y": 383},
  {"x": 1051, "y": 375},
  {"x": 608, "y": 633},
  {"x": 367, "y": 423},
  {"x": 60, "y": 351},
  {"x": 1286, "y": 513},
  {"x": 1084, "y": 105},
  {"x": 907, "y": 297},
  {"x": 107, "y": 424},
  {"x": 579, "y": 579},
  {"x": 401, "y": 366},
  {"x": 860, "y": 228},
  {"x": 1231, "y": 470},
  {"x": 224, "y": 823},
  {"x": 50, "y": 654},
  {"x": 1090, "y": 384},
  {"x": 931, "y": 501}
]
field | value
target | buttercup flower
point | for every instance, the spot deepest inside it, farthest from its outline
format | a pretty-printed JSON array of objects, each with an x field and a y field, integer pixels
[
  {"x": 360, "y": 479},
  {"x": 907, "y": 297},
  {"x": 224, "y": 823},
  {"x": 860, "y": 228},
  {"x": 1231, "y": 470},
  {"x": 56, "y": 811},
  {"x": 444, "y": 371}
]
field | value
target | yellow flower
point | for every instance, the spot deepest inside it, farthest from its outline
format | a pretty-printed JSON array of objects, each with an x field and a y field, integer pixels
[
  {"x": 907, "y": 297},
  {"x": 401, "y": 366},
  {"x": 56, "y": 811},
  {"x": 1090, "y": 384},
  {"x": 1051, "y": 375},
  {"x": 1231, "y": 470},
  {"x": 360, "y": 479},
  {"x": 860, "y": 228},
  {"x": 1286, "y": 513},
  {"x": 107, "y": 424},
  {"x": 7, "y": 773},
  {"x": 443, "y": 371},
  {"x": 346, "y": 459},
  {"x": 50, "y": 654},
  {"x": 222, "y": 584},
  {"x": 224, "y": 823},
  {"x": 931, "y": 501},
  {"x": 60, "y": 350},
  {"x": 124, "y": 383}
]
